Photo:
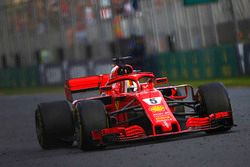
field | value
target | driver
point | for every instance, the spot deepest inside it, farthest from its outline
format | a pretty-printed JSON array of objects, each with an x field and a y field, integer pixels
[
  {"x": 123, "y": 86},
  {"x": 130, "y": 86}
]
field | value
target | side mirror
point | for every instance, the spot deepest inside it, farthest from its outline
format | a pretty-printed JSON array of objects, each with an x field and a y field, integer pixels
[{"x": 161, "y": 80}]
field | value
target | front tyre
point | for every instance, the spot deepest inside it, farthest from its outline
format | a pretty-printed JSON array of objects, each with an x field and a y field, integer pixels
[
  {"x": 91, "y": 115},
  {"x": 54, "y": 124},
  {"x": 214, "y": 98}
]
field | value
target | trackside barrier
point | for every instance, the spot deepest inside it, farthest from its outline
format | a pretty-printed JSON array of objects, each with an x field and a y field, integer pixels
[
  {"x": 51, "y": 74},
  {"x": 76, "y": 69},
  {"x": 56, "y": 74},
  {"x": 101, "y": 67},
  {"x": 247, "y": 59},
  {"x": 19, "y": 77},
  {"x": 198, "y": 64}
]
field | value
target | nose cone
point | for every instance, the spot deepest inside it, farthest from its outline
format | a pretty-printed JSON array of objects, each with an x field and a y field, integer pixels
[
  {"x": 159, "y": 114},
  {"x": 166, "y": 125}
]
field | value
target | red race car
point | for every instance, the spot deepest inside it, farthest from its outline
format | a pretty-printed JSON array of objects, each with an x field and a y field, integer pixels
[{"x": 130, "y": 106}]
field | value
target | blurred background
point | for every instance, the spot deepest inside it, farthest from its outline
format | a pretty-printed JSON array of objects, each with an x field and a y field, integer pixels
[{"x": 44, "y": 42}]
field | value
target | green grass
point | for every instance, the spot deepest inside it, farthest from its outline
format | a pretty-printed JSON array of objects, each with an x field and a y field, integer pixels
[{"x": 229, "y": 82}]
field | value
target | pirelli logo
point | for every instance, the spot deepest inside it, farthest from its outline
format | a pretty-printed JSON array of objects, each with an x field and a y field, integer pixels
[{"x": 157, "y": 108}]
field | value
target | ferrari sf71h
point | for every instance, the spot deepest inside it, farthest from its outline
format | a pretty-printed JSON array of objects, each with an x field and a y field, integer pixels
[{"x": 130, "y": 106}]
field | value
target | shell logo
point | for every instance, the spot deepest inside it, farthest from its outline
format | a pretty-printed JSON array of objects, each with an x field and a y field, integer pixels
[{"x": 157, "y": 108}]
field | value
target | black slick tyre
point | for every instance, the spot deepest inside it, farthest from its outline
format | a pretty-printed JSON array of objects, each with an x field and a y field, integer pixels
[
  {"x": 91, "y": 115},
  {"x": 214, "y": 98},
  {"x": 54, "y": 124}
]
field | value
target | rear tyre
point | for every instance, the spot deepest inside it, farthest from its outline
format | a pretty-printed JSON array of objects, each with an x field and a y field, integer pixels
[
  {"x": 54, "y": 124},
  {"x": 91, "y": 115},
  {"x": 214, "y": 98}
]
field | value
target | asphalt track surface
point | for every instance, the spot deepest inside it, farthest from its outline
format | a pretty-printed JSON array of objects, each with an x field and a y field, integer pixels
[{"x": 19, "y": 146}]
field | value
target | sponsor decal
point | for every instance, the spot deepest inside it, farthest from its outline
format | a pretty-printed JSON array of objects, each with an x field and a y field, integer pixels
[
  {"x": 166, "y": 124},
  {"x": 153, "y": 101},
  {"x": 167, "y": 117},
  {"x": 157, "y": 108},
  {"x": 157, "y": 114}
]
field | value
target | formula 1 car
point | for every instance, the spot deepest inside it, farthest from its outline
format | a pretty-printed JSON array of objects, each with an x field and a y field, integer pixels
[{"x": 131, "y": 106}]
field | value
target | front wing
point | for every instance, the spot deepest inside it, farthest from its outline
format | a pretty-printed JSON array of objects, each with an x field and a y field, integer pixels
[{"x": 135, "y": 132}]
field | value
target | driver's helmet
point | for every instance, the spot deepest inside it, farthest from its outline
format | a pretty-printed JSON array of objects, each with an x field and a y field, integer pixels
[{"x": 117, "y": 70}]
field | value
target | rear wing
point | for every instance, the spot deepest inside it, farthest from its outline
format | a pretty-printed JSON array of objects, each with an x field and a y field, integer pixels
[{"x": 77, "y": 85}]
